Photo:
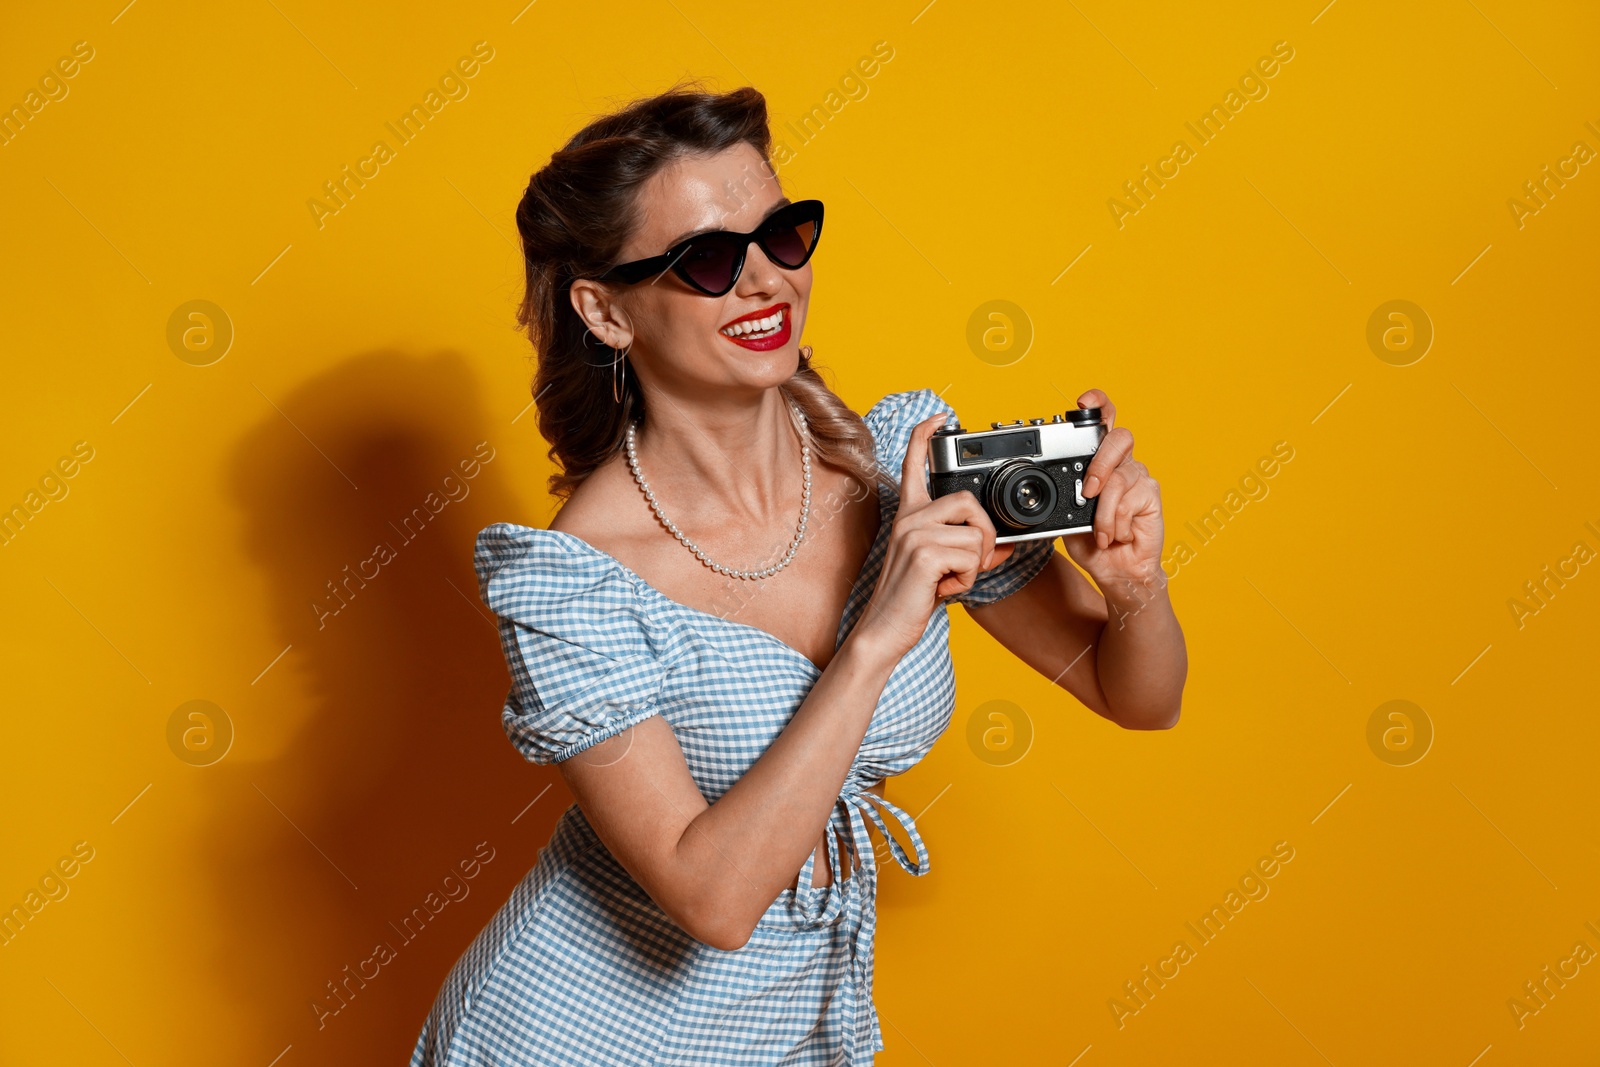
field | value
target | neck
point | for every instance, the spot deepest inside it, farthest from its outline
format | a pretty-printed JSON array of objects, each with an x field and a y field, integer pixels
[{"x": 734, "y": 458}]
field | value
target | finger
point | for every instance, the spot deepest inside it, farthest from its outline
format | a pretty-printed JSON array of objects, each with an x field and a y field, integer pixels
[
  {"x": 1078, "y": 547},
  {"x": 954, "y": 509},
  {"x": 1076, "y": 544},
  {"x": 1133, "y": 502},
  {"x": 958, "y": 509},
  {"x": 1116, "y": 447},
  {"x": 1105, "y": 512},
  {"x": 1000, "y": 554},
  {"x": 941, "y": 538},
  {"x": 913, "y": 473},
  {"x": 947, "y": 549},
  {"x": 973, "y": 514},
  {"x": 955, "y": 567},
  {"x": 956, "y": 580},
  {"x": 1095, "y": 398}
]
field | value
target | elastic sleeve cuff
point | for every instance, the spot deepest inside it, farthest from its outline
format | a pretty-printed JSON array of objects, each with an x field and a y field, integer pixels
[{"x": 631, "y": 718}]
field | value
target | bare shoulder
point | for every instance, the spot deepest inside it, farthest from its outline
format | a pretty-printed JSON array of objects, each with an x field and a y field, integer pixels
[{"x": 604, "y": 510}]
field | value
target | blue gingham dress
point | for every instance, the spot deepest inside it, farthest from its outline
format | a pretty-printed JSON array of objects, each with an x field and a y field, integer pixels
[{"x": 580, "y": 966}]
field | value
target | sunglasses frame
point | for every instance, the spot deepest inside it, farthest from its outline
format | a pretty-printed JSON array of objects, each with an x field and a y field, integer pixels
[{"x": 640, "y": 269}]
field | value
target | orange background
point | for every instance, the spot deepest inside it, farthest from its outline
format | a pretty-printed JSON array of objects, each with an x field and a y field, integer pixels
[{"x": 370, "y": 355}]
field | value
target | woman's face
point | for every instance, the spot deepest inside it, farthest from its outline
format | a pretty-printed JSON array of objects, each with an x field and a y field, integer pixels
[{"x": 676, "y": 332}]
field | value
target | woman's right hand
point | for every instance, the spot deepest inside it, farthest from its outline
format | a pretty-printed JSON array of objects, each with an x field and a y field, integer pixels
[{"x": 936, "y": 549}]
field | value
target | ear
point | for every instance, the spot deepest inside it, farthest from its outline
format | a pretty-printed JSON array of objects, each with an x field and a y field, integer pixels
[{"x": 597, "y": 306}]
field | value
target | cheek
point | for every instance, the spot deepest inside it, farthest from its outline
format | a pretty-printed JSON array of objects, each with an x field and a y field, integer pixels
[
  {"x": 680, "y": 324},
  {"x": 800, "y": 281}
]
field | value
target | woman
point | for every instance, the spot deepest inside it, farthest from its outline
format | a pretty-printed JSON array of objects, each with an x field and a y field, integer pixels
[{"x": 728, "y": 641}]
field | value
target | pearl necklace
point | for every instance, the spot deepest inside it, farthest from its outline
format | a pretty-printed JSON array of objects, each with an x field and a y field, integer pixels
[{"x": 800, "y": 529}]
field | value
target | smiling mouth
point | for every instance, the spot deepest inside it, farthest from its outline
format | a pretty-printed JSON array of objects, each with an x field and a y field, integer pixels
[{"x": 755, "y": 329}]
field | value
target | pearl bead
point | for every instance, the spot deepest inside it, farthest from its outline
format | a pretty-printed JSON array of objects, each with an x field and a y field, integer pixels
[{"x": 805, "y": 505}]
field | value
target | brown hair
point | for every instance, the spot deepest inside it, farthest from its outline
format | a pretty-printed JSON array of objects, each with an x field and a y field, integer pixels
[{"x": 574, "y": 218}]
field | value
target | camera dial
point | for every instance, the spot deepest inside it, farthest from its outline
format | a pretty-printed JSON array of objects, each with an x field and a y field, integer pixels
[{"x": 1084, "y": 417}]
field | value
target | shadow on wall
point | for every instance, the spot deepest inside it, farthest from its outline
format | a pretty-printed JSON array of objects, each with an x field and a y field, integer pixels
[{"x": 399, "y": 781}]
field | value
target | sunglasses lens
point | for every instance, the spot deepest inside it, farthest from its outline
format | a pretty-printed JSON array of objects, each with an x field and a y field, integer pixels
[
  {"x": 708, "y": 263},
  {"x": 790, "y": 236}
]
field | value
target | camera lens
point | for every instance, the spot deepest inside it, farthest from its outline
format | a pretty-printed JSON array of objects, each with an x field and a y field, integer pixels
[
  {"x": 1028, "y": 496},
  {"x": 1022, "y": 494}
]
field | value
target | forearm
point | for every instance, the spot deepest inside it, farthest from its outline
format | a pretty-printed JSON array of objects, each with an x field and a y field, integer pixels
[
  {"x": 1141, "y": 659},
  {"x": 745, "y": 849}
]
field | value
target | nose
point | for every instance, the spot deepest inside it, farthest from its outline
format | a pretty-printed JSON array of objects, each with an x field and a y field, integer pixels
[{"x": 760, "y": 275}]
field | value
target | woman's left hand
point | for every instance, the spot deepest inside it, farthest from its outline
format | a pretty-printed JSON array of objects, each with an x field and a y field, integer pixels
[{"x": 1126, "y": 541}]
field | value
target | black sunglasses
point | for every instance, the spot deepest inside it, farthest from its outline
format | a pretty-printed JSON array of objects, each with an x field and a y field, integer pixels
[{"x": 711, "y": 262}]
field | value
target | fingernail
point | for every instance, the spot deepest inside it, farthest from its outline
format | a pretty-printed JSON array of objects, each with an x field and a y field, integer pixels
[
  {"x": 1100, "y": 539},
  {"x": 1091, "y": 486}
]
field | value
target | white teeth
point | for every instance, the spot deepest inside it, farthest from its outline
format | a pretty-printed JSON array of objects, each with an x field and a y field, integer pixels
[{"x": 756, "y": 327}]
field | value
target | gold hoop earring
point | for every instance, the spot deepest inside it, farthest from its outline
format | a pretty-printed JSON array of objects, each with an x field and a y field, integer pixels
[{"x": 617, "y": 374}]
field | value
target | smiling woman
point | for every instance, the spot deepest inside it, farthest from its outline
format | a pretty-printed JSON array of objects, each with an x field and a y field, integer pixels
[
  {"x": 579, "y": 374},
  {"x": 711, "y": 896}
]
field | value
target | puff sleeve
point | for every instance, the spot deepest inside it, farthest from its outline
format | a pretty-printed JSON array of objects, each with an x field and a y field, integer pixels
[
  {"x": 891, "y": 421},
  {"x": 585, "y": 653}
]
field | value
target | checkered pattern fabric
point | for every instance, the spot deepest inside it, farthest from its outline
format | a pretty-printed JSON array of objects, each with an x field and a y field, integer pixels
[{"x": 580, "y": 966}]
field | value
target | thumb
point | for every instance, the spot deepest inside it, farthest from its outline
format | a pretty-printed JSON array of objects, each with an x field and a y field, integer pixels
[{"x": 913, "y": 476}]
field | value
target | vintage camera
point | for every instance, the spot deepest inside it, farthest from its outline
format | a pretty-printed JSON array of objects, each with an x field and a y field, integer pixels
[{"x": 1027, "y": 475}]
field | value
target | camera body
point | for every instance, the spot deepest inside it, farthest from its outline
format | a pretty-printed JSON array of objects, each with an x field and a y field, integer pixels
[{"x": 1028, "y": 475}]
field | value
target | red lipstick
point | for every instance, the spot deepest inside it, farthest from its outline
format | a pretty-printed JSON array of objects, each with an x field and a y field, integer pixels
[{"x": 777, "y": 339}]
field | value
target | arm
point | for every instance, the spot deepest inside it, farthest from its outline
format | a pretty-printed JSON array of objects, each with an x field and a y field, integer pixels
[
  {"x": 1120, "y": 649},
  {"x": 1121, "y": 654},
  {"x": 716, "y": 868}
]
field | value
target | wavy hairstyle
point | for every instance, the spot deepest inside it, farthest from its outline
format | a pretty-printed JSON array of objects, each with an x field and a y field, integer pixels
[{"x": 574, "y": 218}]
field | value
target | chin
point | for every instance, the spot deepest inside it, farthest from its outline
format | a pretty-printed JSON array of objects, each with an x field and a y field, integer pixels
[
  {"x": 762, "y": 370},
  {"x": 784, "y": 369}
]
